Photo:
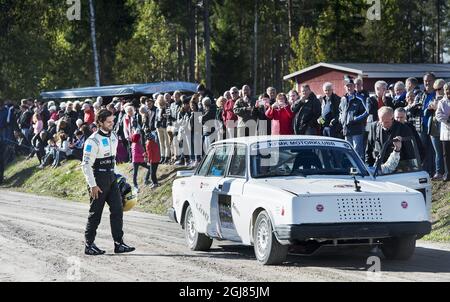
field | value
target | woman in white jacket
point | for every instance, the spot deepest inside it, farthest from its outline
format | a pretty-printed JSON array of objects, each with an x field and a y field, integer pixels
[
  {"x": 443, "y": 116},
  {"x": 162, "y": 115}
]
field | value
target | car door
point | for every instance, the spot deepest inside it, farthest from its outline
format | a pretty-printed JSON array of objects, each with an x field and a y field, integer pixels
[
  {"x": 230, "y": 199},
  {"x": 408, "y": 172},
  {"x": 205, "y": 187}
]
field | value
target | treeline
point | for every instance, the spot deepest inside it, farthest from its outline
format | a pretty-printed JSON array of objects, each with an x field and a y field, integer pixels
[{"x": 243, "y": 41}]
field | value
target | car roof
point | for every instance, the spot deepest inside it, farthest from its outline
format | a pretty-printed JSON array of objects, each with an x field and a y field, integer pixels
[{"x": 265, "y": 138}]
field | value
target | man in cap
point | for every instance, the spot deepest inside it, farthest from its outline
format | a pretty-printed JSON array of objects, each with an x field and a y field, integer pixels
[
  {"x": 204, "y": 92},
  {"x": 352, "y": 116}
]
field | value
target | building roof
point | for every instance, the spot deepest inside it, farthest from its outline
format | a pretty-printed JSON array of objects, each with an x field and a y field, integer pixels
[
  {"x": 374, "y": 70},
  {"x": 120, "y": 90}
]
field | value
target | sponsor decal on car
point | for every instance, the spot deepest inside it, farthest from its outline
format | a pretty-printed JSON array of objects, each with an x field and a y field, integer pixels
[{"x": 301, "y": 143}]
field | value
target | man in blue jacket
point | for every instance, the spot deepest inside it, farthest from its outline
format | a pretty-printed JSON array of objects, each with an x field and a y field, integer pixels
[
  {"x": 352, "y": 116},
  {"x": 3, "y": 120}
]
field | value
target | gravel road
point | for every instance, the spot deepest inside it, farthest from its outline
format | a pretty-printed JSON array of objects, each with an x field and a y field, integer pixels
[{"x": 41, "y": 239}]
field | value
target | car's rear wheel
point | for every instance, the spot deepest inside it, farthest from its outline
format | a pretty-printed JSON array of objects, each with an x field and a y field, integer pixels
[
  {"x": 267, "y": 248},
  {"x": 195, "y": 240},
  {"x": 399, "y": 248}
]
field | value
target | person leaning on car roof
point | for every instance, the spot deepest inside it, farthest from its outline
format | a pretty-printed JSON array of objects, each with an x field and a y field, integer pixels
[{"x": 383, "y": 131}]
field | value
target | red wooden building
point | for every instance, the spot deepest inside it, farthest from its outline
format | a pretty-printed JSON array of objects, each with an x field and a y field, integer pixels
[{"x": 318, "y": 74}]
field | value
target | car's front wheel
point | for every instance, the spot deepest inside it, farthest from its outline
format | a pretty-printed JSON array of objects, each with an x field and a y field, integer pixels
[
  {"x": 399, "y": 248},
  {"x": 267, "y": 248},
  {"x": 195, "y": 240}
]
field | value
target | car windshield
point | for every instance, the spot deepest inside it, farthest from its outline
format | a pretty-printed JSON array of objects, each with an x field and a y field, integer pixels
[{"x": 300, "y": 160}]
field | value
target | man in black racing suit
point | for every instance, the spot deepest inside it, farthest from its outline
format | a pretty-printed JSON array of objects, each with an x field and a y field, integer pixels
[{"x": 99, "y": 168}]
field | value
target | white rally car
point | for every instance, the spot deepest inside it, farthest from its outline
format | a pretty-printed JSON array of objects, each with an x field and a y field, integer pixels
[{"x": 302, "y": 193}]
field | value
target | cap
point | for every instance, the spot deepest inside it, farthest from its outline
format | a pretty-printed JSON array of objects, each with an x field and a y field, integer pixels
[
  {"x": 150, "y": 136},
  {"x": 185, "y": 99},
  {"x": 348, "y": 80}
]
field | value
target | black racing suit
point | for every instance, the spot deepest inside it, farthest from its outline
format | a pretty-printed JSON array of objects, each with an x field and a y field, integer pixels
[{"x": 99, "y": 167}]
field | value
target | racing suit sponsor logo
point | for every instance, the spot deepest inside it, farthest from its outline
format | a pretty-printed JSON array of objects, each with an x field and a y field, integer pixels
[
  {"x": 88, "y": 148},
  {"x": 105, "y": 162},
  {"x": 105, "y": 142}
]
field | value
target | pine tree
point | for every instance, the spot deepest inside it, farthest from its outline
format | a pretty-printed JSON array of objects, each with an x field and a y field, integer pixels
[
  {"x": 339, "y": 30},
  {"x": 304, "y": 50}
]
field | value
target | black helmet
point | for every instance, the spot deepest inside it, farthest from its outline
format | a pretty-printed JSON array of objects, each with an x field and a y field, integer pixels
[{"x": 129, "y": 198}]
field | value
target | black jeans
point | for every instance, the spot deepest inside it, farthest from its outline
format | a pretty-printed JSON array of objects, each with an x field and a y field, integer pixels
[
  {"x": 111, "y": 195},
  {"x": 446, "y": 148},
  {"x": 77, "y": 154},
  {"x": 136, "y": 170},
  {"x": 428, "y": 161},
  {"x": 153, "y": 170}
]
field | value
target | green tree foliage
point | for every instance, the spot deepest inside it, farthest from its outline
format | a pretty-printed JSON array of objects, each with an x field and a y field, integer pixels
[
  {"x": 148, "y": 55},
  {"x": 305, "y": 50},
  {"x": 231, "y": 60},
  {"x": 156, "y": 40},
  {"x": 339, "y": 30}
]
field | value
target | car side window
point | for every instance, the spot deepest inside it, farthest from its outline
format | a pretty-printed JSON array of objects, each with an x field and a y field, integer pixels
[
  {"x": 237, "y": 165},
  {"x": 219, "y": 162},
  {"x": 206, "y": 163}
]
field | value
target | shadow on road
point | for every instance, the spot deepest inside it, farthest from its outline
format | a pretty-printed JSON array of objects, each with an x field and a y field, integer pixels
[{"x": 425, "y": 260}]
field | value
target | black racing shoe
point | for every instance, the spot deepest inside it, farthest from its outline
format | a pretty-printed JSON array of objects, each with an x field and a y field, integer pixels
[
  {"x": 93, "y": 250},
  {"x": 120, "y": 248}
]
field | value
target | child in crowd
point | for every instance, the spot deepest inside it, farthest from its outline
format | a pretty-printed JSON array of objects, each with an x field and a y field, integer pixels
[
  {"x": 49, "y": 153},
  {"x": 153, "y": 157},
  {"x": 138, "y": 159},
  {"x": 77, "y": 145},
  {"x": 62, "y": 150}
]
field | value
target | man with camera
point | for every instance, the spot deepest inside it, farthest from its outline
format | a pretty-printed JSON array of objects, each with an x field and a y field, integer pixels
[{"x": 384, "y": 130}]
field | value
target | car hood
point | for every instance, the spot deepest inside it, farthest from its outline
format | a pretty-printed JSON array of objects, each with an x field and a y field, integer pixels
[{"x": 300, "y": 186}]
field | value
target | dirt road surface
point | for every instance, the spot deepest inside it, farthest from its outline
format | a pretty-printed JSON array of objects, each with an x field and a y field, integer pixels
[{"x": 41, "y": 239}]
